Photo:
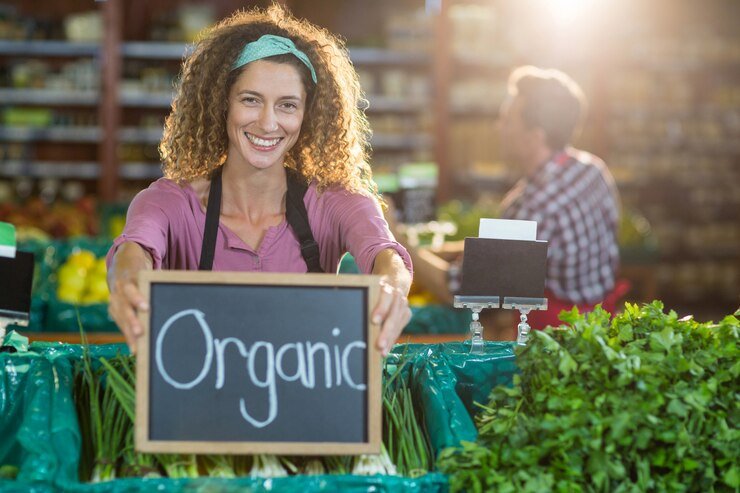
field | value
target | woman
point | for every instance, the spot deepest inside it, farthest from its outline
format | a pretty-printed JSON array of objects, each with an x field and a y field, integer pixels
[{"x": 266, "y": 104}]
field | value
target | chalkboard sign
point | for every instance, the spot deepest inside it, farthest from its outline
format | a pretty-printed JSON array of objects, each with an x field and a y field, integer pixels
[{"x": 258, "y": 363}]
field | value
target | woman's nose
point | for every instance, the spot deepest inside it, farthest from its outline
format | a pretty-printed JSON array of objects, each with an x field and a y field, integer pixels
[{"x": 268, "y": 119}]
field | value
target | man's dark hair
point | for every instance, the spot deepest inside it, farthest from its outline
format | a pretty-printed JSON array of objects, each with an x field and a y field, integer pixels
[{"x": 552, "y": 101}]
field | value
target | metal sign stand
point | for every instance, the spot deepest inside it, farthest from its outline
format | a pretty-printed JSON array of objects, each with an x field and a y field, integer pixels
[{"x": 477, "y": 303}]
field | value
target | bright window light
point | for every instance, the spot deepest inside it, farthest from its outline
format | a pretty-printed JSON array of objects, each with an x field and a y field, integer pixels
[{"x": 567, "y": 12}]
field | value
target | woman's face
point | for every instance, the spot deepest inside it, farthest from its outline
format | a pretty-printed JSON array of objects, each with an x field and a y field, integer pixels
[{"x": 266, "y": 107}]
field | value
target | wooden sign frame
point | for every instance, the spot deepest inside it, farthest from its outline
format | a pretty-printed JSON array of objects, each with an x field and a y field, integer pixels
[{"x": 374, "y": 377}]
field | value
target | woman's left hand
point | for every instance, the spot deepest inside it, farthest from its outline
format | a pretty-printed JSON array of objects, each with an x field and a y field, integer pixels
[{"x": 392, "y": 313}]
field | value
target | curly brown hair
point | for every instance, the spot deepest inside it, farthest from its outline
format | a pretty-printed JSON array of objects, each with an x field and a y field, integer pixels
[{"x": 332, "y": 147}]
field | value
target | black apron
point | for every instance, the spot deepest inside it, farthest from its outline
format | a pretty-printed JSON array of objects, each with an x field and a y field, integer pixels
[{"x": 295, "y": 214}]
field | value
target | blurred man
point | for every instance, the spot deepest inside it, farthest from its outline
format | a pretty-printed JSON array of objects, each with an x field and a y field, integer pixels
[{"x": 570, "y": 193}]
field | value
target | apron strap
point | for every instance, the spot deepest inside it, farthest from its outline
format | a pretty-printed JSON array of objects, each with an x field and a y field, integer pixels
[
  {"x": 297, "y": 217},
  {"x": 213, "y": 212},
  {"x": 295, "y": 214}
]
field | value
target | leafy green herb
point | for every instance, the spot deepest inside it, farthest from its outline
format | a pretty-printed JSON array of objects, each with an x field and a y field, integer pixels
[{"x": 644, "y": 402}]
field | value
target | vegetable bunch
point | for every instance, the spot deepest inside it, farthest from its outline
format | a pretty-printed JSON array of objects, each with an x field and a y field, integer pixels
[
  {"x": 644, "y": 402},
  {"x": 404, "y": 434},
  {"x": 105, "y": 397}
]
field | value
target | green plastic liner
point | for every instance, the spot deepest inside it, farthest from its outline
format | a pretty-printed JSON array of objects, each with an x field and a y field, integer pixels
[{"x": 41, "y": 436}]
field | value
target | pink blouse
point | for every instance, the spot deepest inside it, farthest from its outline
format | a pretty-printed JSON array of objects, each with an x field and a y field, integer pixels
[{"x": 167, "y": 220}]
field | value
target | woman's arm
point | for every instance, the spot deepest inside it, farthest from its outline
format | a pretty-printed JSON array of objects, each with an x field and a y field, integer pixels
[
  {"x": 431, "y": 267},
  {"x": 392, "y": 311},
  {"x": 125, "y": 298},
  {"x": 431, "y": 272}
]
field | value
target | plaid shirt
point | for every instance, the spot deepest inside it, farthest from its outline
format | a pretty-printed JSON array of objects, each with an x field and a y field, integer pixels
[{"x": 576, "y": 205}]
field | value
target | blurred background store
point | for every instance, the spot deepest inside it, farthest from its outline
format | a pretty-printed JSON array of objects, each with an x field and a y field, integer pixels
[{"x": 85, "y": 86}]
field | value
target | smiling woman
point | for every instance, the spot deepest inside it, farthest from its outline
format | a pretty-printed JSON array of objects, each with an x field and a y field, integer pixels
[{"x": 265, "y": 162}]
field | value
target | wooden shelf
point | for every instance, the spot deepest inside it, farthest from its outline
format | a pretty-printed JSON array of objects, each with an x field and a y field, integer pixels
[
  {"x": 49, "y": 97},
  {"x": 50, "y": 169},
  {"x": 59, "y": 48},
  {"x": 75, "y": 134}
]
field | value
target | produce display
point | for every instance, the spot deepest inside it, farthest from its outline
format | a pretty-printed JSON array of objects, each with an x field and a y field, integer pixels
[
  {"x": 38, "y": 219},
  {"x": 466, "y": 216},
  {"x": 82, "y": 279},
  {"x": 644, "y": 402},
  {"x": 105, "y": 397}
]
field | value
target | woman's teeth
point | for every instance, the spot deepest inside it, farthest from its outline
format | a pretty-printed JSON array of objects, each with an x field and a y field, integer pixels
[{"x": 262, "y": 142}]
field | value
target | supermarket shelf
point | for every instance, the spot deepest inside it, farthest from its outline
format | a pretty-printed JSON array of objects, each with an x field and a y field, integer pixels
[
  {"x": 378, "y": 141},
  {"x": 484, "y": 181},
  {"x": 176, "y": 51},
  {"x": 49, "y": 96},
  {"x": 48, "y": 48},
  {"x": 51, "y": 134},
  {"x": 475, "y": 66},
  {"x": 474, "y": 112},
  {"x": 146, "y": 100},
  {"x": 77, "y": 134},
  {"x": 139, "y": 171},
  {"x": 358, "y": 55},
  {"x": 683, "y": 147},
  {"x": 385, "y": 142},
  {"x": 378, "y": 56},
  {"x": 378, "y": 103},
  {"x": 140, "y": 135},
  {"x": 49, "y": 169},
  {"x": 631, "y": 110},
  {"x": 388, "y": 104},
  {"x": 155, "y": 50},
  {"x": 84, "y": 170},
  {"x": 727, "y": 147}
]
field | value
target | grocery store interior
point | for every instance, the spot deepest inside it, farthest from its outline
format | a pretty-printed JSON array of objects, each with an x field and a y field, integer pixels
[
  {"x": 85, "y": 87},
  {"x": 222, "y": 391}
]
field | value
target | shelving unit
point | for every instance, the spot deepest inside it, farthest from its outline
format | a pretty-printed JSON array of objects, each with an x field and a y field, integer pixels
[
  {"x": 55, "y": 146},
  {"x": 120, "y": 138}
]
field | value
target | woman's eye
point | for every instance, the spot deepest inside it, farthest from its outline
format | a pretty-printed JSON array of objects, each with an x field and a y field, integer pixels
[
  {"x": 249, "y": 100},
  {"x": 289, "y": 106}
]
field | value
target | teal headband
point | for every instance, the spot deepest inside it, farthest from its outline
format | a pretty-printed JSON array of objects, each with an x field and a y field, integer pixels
[{"x": 269, "y": 45}]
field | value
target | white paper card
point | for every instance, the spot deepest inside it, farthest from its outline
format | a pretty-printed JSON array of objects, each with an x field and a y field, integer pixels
[{"x": 507, "y": 229}]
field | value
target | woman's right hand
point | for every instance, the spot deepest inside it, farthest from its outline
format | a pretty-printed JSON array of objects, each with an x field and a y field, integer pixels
[{"x": 126, "y": 301}]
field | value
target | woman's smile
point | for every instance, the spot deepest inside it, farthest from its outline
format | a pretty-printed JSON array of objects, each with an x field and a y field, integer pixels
[{"x": 262, "y": 143}]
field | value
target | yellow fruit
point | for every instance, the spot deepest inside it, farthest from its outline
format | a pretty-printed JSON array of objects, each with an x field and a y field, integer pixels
[
  {"x": 422, "y": 299},
  {"x": 115, "y": 227},
  {"x": 89, "y": 299},
  {"x": 83, "y": 258},
  {"x": 72, "y": 278},
  {"x": 100, "y": 268},
  {"x": 69, "y": 295},
  {"x": 97, "y": 289}
]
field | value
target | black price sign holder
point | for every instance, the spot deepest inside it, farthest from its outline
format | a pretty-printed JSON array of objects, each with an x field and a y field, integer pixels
[{"x": 499, "y": 273}]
